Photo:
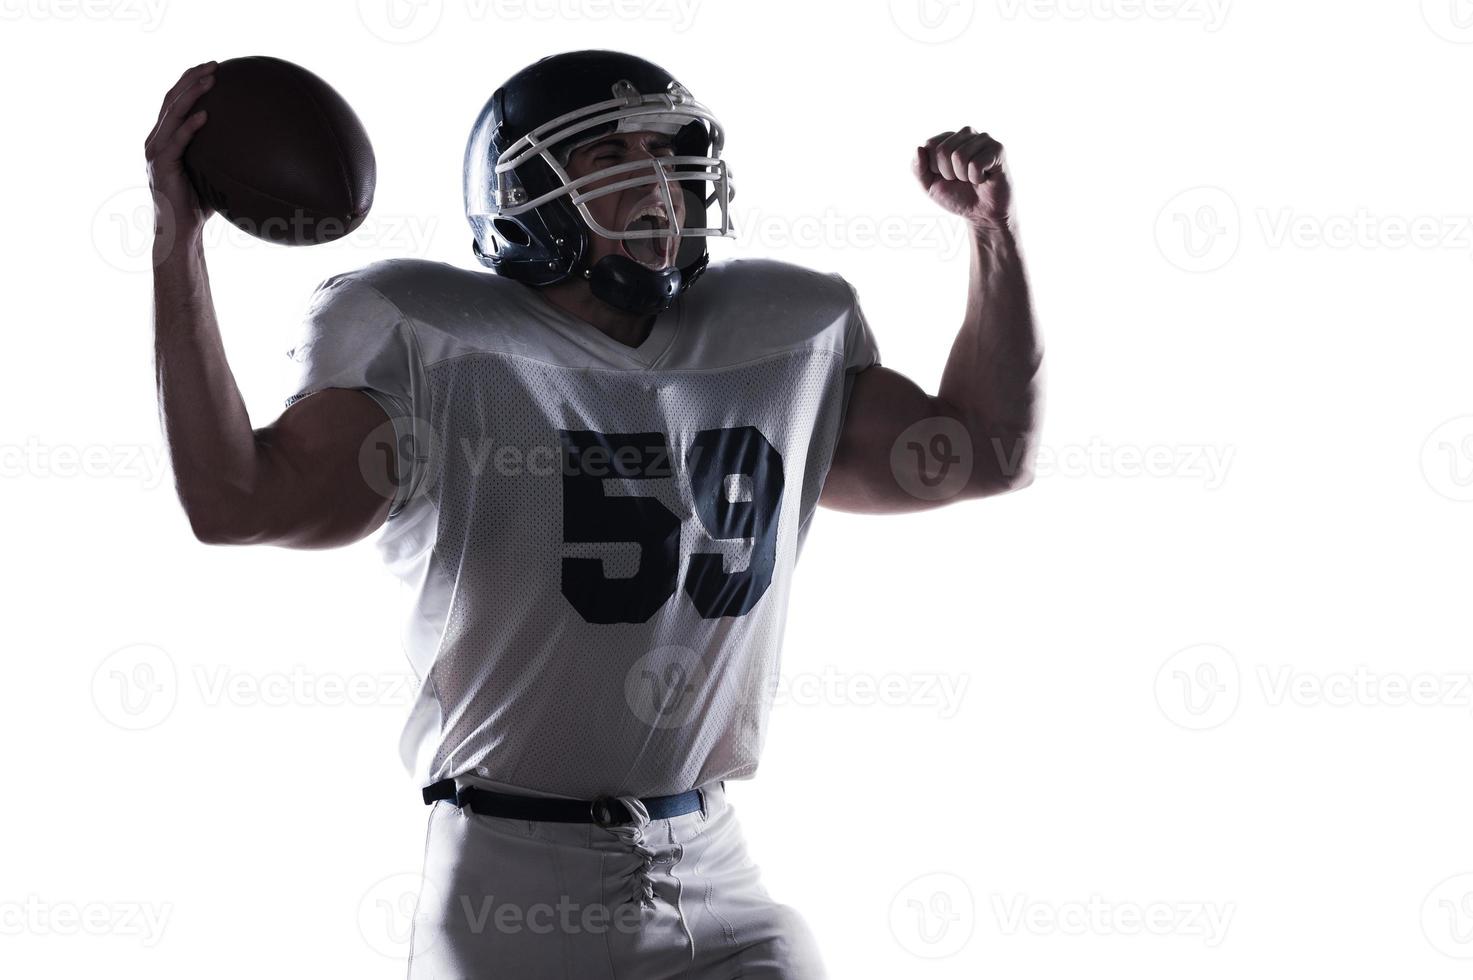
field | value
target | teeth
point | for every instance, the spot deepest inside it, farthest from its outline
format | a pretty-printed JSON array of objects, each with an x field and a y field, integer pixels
[{"x": 652, "y": 211}]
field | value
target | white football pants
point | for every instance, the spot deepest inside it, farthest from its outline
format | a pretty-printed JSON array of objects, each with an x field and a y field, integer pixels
[{"x": 506, "y": 899}]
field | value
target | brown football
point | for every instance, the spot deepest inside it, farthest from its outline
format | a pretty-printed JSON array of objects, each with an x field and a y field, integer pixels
[{"x": 281, "y": 155}]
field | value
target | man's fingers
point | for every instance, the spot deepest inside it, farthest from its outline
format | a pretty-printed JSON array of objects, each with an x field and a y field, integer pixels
[
  {"x": 943, "y": 152},
  {"x": 962, "y": 154},
  {"x": 921, "y": 166},
  {"x": 188, "y": 82},
  {"x": 181, "y": 137},
  {"x": 185, "y": 81},
  {"x": 975, "y": 159},
  {"x": 928, "y": 152},
  {"x": 176, "y": 112}
]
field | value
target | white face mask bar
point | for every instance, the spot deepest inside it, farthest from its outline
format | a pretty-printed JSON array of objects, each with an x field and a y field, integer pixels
[{"x": 628, "y": 111}]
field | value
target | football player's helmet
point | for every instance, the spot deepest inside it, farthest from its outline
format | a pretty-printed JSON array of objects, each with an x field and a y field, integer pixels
[{"x": 531, "y": 220}]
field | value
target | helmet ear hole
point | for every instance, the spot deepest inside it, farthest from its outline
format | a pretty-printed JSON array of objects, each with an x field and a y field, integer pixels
[{"x": 511, "y": 232}]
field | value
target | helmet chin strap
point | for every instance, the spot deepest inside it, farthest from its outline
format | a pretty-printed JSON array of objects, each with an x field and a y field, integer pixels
[{"x": 626, "y": 285}]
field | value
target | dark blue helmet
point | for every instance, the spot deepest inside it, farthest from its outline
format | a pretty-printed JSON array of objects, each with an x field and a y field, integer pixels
[{"x": 530, "y": 218}]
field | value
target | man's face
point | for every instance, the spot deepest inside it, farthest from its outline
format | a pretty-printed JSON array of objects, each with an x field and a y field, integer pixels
[{"x": 639, "y": 208}]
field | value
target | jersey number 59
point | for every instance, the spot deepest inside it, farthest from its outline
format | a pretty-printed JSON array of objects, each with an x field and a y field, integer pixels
[{"x": 715, "y": 457}]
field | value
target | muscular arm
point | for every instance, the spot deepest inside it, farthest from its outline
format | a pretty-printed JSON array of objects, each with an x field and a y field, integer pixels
[
  {"x": 297, "y": 483},
  {"x": 990, "y": 389}
]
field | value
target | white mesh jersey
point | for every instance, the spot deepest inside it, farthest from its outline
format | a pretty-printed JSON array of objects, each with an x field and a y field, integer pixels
[{"x": 598, "y": 539}]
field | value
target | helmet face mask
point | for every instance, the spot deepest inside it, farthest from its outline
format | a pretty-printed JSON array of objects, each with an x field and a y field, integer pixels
[{"x": 531, "y": 216}]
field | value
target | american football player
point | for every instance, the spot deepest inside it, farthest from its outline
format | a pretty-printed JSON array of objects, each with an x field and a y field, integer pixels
[{"x": 594, "y": 460}]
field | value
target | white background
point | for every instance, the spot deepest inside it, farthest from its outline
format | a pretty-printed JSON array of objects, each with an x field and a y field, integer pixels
[{"x": 1248, "y": 229}]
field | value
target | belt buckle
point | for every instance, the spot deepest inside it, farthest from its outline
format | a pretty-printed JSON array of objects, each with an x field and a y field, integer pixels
[{"x": 601, "y": 812}]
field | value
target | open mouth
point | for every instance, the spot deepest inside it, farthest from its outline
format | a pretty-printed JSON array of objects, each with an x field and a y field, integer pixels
[{"x": 654, "y": 252}]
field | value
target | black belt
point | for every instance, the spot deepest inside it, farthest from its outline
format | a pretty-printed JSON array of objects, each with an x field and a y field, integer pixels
[{"x": 604, "y": 811}]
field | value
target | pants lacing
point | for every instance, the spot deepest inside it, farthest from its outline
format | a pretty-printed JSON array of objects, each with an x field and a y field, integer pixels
[{"x": 642, "y": 887}]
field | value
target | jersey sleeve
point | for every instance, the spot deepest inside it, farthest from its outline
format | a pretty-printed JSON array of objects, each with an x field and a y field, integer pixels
[
  {"x": 861, "y": 351},
  {"x": 354, "y": 338}
]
